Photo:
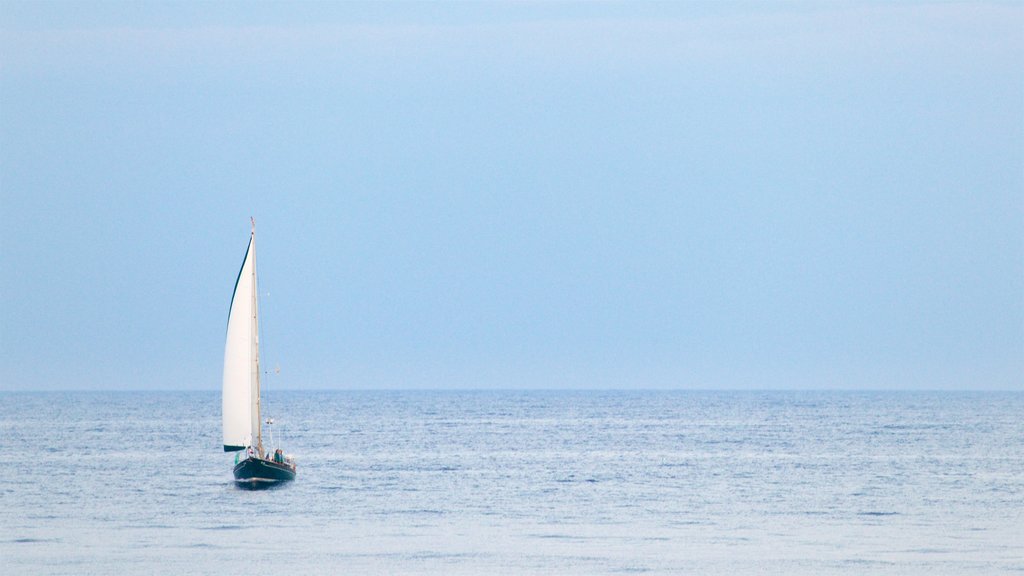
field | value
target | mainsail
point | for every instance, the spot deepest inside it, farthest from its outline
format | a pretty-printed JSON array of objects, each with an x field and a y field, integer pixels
[{"x": 241, "y": 391}]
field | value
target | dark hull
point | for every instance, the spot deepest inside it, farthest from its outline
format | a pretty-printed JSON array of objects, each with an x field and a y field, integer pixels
[{"x": 258, "y": 473}]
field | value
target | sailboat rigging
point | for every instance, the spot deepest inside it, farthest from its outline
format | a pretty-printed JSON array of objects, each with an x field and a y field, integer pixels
[{"x": 241, "y": 386}]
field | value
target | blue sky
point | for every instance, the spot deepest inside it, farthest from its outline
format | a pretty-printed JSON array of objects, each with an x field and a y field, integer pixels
[{"x": 527, "y": 195}]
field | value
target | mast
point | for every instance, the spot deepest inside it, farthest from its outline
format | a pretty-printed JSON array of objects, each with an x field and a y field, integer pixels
[{"x": 257, "y": 427}]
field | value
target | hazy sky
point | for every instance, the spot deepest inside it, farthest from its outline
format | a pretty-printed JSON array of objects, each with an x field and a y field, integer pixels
[{"x": 483, "y": 195}]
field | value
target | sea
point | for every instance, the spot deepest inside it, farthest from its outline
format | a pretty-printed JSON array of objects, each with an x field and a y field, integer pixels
[{"x": 520, "y": 483}]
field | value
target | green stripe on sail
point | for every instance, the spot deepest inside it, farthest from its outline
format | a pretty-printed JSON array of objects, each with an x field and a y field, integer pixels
[{"x": 237, "y": 279}]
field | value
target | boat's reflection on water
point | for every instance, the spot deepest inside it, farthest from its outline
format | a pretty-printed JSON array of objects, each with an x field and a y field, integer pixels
[{"x": 252, "y": 485}]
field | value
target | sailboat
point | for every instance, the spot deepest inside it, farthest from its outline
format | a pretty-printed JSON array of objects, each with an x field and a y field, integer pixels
[{"x": 240, "y": 398}]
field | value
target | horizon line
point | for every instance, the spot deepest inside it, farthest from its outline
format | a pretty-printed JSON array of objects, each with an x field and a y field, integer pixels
[{"x": 611, "y": 389}]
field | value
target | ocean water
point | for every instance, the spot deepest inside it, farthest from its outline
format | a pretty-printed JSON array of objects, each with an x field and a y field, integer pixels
[{"x": 520, "y": 483}]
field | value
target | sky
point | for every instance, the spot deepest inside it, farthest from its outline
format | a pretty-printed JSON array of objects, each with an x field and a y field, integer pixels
[{"x": 724, "y": 195}]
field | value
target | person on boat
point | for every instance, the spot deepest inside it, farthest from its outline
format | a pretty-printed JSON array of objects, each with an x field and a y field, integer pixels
[{"x": 279, "y": 456}]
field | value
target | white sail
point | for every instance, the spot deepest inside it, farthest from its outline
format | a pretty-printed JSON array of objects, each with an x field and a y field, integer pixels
[{"x": 240, "y": 395}]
